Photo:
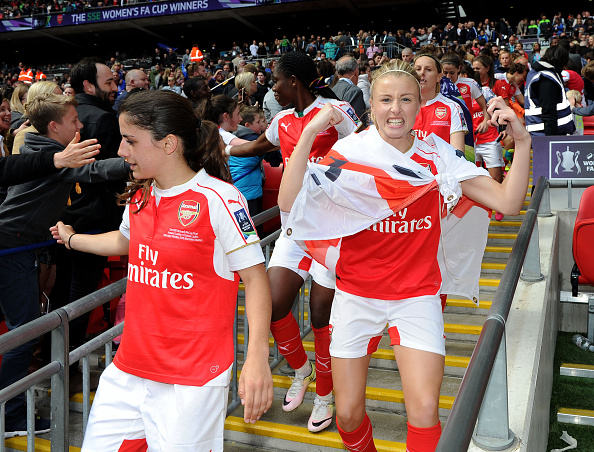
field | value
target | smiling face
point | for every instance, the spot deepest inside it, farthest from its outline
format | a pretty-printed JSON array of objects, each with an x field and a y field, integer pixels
[
  {"x": 5, "y": 115},
  {"x": 140, "y": 150},
  {"x": 283, "y": 88},
  {"x": 395, "y": 104},
  {"x": 482, "y": 70},
  {"x": 106, "y": 88}
]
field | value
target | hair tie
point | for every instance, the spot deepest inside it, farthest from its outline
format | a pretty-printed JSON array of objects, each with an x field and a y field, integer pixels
[{"x": 318, "y": 84}]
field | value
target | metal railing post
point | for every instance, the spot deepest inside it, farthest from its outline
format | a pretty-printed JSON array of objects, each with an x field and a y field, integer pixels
[
  {"x": 492, "y": 430},
  {"x": 545, "y": 203},
  {"x": 31, "y": 419},
  {"x": 60, "y": 406},
  {"x": 531, "y": 268}
]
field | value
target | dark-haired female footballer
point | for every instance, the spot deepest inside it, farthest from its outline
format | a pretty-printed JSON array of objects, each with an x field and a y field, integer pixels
[{"x": 189, "y": 239}]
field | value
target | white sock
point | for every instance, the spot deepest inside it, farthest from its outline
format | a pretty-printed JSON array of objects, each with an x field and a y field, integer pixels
[{"x": 304, "y": 370}]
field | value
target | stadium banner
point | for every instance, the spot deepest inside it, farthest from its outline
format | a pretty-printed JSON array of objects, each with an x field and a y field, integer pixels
[
  {"x": 136, "y": 11},
  {"x": 563, "y": 157}
]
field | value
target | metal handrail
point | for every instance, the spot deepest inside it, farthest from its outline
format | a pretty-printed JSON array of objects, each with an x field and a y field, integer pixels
[{"x": 461, "y": 422}]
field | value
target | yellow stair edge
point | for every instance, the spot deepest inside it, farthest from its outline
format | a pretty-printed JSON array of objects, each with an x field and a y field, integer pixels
[
  {"x": 302, "y": 435},
  {"x": 460, "y": 303},
  {"x": 41, "y": 445},
  {"x": 576, "y": 412},
  {"x": 508, "y": 223},
  {"x": 492, "y": 266},
  {"x": 386, "y": 395},
  {"x": 489, "y": 282},
  {"x": 578, "y": 366},
  {"x": 499, "y": 235},
  {"x": 450, "y": 361},
  {"x": 498, "y": 249},
  {"x": 522, "y": 212}
]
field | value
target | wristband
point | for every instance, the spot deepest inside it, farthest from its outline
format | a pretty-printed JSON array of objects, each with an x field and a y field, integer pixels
[
  {"x": 228, "y": 150},
  {"x": 69, "y": 239}
]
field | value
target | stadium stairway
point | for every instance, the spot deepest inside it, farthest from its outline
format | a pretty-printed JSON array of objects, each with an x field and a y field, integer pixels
[{"x": 281, "y": 431}]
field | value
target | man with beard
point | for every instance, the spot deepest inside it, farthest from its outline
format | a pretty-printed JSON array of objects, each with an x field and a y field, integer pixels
[{"x": 93, "y": 206}]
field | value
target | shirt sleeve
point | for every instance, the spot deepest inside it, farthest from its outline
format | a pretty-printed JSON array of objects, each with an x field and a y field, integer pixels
[
  {"x": 237, "y": 233},
  {"x": 272, "y": 131},
  {"x": 350, "y": 122},
  {"x": 500, "y": 89},
  {"x": 458, "y": 123},
  {"x": 226, "y": 136},
  {"x": 475, "y": 89},
  {"x": 125, "y": 224}
]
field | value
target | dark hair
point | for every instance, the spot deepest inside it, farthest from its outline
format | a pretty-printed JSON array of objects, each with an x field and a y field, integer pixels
[
  {"x": 453, "y": 59},
  {"x": 163, "y": 113},
  {"x": 429, "y": 55},
  {"x": 217, "y": 106},
  {"x": 556, "y": 56},
  {"x": 85, "y": 69},
  {"x": 326, "y": 68},
  {"x": 303, "y": 68},
  {"x": 193, "y": 85},
  {"x": 517, "y": 68},
  {"x": 487, "y": 62}
]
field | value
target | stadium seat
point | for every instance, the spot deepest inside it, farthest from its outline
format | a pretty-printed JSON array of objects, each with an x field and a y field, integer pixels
[
  {"x": 270, "y": 195},
  {"x": 588, "y": 125},
  {"x": 583, "y": 244}
]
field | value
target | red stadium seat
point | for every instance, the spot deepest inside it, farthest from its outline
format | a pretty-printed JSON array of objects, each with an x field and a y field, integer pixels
[
  {"x": 588, "y": 125},
  {"x": 270, "y": 195},
  {"x": 583, "y": 243}
]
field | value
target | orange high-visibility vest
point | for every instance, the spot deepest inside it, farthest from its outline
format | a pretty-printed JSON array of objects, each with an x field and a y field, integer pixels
[
  {"x": 40, "y": 76},
  {"x": 26, "y": 76},
  {"x": 196, "y": 55}
]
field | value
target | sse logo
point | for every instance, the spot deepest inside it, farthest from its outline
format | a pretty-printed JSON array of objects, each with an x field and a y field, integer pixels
[{"x": 188, "y": 212}]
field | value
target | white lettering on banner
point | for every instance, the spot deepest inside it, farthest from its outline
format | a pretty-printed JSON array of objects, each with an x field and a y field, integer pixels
[
  {"x": 154, "y": 278},
  {"x": 402, "y": 226}
]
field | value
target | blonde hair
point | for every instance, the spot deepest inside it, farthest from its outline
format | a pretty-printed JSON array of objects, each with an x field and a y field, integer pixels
[
  {"x": 574, "y": 94},
  {"x": 243, "y": 81},
  {"x": 396, "y": 68},
  {"x": 47, "y": 107},
  {"x": 37, "y": 89},
  {"x": 15, "y": 100}
]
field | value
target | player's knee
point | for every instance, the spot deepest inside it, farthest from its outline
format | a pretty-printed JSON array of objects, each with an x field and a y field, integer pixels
[
  {"x": 350, "y": 417},
  {"x": 424, "y": 412}
]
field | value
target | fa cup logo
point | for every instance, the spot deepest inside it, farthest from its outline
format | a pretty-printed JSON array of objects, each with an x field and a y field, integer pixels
[{"x": 567, "y": 160}]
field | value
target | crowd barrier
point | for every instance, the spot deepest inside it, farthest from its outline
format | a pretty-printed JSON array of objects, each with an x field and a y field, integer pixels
[{"x": 480, "y": 411}]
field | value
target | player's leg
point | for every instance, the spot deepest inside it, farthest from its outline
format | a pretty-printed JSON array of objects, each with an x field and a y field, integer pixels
[
  {"x": 350, "y": 381},
  {"x": 357, "y": 324},
  {"x": 185, "y": 418},
  {"x": 287, "y": 270},
  {"x": 416, "y": 331},
  {"x": 320, "y": 303},
  {"x": 421, "y": 374},
  {"x": 115, "y": 422}
]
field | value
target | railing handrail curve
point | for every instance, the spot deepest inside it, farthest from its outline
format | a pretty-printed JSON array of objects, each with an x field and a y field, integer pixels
[{"x": 458, "y": 430}]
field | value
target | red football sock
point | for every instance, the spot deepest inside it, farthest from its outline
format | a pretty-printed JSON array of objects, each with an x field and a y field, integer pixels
[
  {"x": 323, "y": 367},
  {"x": 422, "y": 439},
  {"x": 360, "y": 439},
  {"x": 288, "y": 338},
  {"x": 443, "y": 297}
]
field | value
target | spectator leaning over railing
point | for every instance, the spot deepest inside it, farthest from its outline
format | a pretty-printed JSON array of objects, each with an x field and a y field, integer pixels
[{"x": 25, "y": 216}]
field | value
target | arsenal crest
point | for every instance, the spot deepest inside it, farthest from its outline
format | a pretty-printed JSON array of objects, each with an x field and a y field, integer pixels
[
  {"x": 441, "y": 112},
  {"x": 463, "y": 89},
  {"x": 188, "y": 212},
  {"x": 60, "y": 19}
]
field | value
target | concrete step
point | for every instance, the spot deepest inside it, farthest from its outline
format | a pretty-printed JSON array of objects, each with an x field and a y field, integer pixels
[{"x": 383, "y": 392}]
